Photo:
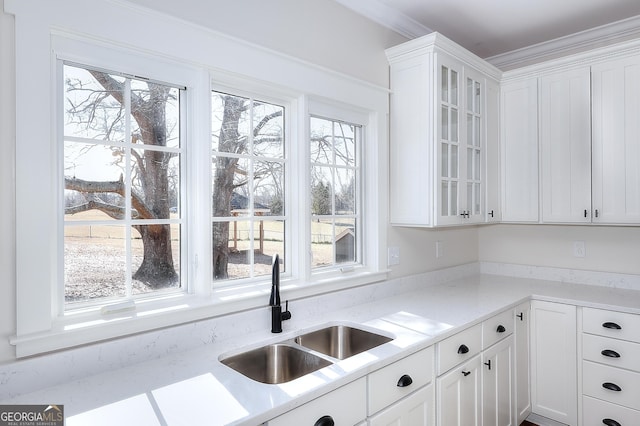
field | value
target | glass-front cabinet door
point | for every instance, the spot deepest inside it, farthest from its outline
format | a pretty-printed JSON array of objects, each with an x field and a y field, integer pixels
[{"x": 461, "y": 144}]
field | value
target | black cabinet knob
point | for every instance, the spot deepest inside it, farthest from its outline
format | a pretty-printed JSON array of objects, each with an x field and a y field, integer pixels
[
  {"x": 324, "y": 421},
  {"x": 521, "y": 316},
  {"x": 501, "y": 329},
  {"x": 466, "y": 373},
  {"x": 610, "y": 422},
  {"x": 463, "y": 349},
  {"x": 611, "y": 326},
  {"x": 404, "y": 381},
  {"x": 488, "y": 364},
  {"x": 609, "y": 353},
  {"x": 611, "y": 386}
]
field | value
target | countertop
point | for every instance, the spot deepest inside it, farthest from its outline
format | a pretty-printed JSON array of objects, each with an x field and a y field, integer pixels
[{"x": 189, "y": 387}]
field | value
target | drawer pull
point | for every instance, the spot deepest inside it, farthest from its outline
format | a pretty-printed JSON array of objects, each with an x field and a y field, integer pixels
[
  {"x": 611, "y": 386},
  {"x": 466, "y": 373},
  {"x": 501, "y": 329},
  {"x": 463, "y": 349},
  {"x": 488, "y": 364},
  {"x": 611, "y": 326},
  {"x": 521, "y": 316},
  {"x": 610, "y": 422},
  {"x": 405, "y": 381},
  {"x": 324, "y": 421},
  {"x": 609, "y": 353}
]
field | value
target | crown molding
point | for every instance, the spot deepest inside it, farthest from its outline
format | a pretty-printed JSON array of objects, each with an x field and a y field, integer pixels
[
  {"x": 387, "y": 17},
  {"x": 604, "y": 35}
]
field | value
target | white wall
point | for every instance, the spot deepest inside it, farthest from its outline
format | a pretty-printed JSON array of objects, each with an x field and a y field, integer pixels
[
  {"x": 7, "y": 181},
  {"x": 608, "y": 248}
]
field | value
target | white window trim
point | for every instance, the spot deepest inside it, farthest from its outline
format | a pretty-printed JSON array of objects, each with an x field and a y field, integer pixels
[{"x": 38, "y": 330}]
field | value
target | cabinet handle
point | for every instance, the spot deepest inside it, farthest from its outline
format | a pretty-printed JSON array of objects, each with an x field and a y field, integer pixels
[
  {"x": 596, "y": 212},
  {"x": 464, "y": 214},
  {"x": 610, "y": 422},
  {"x": 611, "y": 386},
  {"x": 324, "y": 421},
  {"x": 466, "y": 373},
  {"x": 521, "y": 316},
  {"x": 611, "y": 354},
  {"x": 491, "y": 213},
  {"x": 501, "y": 329},
  {"x": 488, "y": 364},
  {"x": 611, "y": 326},
  {"x": 405, "y": 381},
  {"x": 463, "y": 349},
  {"x": 585, "y": 212}
]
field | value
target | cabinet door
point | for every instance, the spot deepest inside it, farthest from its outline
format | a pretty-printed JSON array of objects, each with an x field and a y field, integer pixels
[
  {"x": 565, "y": 146},
  {"x": 519, "y": 153},
  {"x": 459, "y": 395},
  {"x": 415, "y": 410},
  {"x": 616, "y": 141},
  {"x": 492, "y": 172},
  {"x": 449, "y": 150},
  {"x": 554, "y": 361},
  {"x": 497, "y": 384},
  {"x": 522, "y": 383}
]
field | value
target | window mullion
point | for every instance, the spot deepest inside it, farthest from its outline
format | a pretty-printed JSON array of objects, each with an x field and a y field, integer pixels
[{"x": 127, "y": 190}]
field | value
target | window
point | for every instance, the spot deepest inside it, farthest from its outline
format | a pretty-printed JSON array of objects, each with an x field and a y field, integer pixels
[
  {"x": 248, "y": 193},
  {"x": 335, "y": 193},
  {"x": 122, "y": 163}
]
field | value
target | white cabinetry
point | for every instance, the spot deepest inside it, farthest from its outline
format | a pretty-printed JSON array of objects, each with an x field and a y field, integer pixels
[
  {"x": 610, "y": 368},
  {"x": 459, "y": 395},
  {"x": 554, "y": 361},
  {"x": 344, "y": 406},
  {"x": 410, "y": 378},
  {"x": 565, "y": 146},
  {"x": 522, "y": 382},
  {"x": 440, "y": 119},
  {"x": 497, "y": 384},
  {"x": 519, "y": 150},
  {"x": 616, "y": 141}
]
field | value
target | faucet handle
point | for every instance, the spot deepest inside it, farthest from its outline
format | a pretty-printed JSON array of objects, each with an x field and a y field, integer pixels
[{"x": 286, "y": 314}]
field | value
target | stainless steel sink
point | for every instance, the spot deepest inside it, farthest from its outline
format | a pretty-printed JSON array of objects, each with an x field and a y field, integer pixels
[
  {"x": 277, "y": 363},
  {"x": 341, "y": 341}
]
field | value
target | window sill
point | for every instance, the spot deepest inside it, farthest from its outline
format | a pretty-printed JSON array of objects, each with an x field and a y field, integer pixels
[{"x": 92, "y": 326}]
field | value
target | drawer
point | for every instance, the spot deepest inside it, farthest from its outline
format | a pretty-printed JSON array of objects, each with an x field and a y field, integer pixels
[
  {"x": 497, "y": 328},
  {"x": 597, "y": 377},
  {"x": 395, "y": 381},
  {"x": 618, "y": 325},
  {"x": 458, "y": 348},
  {"x": 614, "y": 352},
  {"x": 345, "y": 406},
  {"x": 598, "y": 413}
]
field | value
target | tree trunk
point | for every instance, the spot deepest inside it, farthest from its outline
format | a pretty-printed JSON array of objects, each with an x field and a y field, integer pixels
[{"x": 157, "y": 269}]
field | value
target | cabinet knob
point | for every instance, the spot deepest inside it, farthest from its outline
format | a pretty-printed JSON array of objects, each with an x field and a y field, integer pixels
[
  {"x": 610, "y": 422},
  {"x": 609, "y": 353},
  {"x": 611, "y": 386},
  {"x": 501, "y": 329},
  {"x": 324, "y": 421},
  {"x": 463, "y": 349},
  {"x": 405, "y": 381},
  {"x": 611, "y": 326},
  {"x": 488, "y": 364},
  {"x": 466, "y": 373},
  {"x": 521, "y": 316},
  {"x": 491, "y": 213}
]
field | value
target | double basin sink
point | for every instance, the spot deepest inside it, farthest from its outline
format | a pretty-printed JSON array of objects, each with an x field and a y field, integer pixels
[{"x": 288, "y": 360}]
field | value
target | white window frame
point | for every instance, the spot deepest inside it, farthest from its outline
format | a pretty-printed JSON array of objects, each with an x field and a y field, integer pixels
[{"x": 57, "y": 32}]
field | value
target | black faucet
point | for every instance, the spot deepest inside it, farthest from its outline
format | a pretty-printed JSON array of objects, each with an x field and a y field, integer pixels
[{"x": 277, "y": 316}]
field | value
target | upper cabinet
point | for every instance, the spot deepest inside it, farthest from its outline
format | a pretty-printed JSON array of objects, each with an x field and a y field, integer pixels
[
  {"x": 444, "y": 130},
  {"x": 570, "y": 139}
]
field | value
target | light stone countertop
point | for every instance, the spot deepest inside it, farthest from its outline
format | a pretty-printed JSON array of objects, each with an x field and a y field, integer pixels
[{"x": 193, "y": 387}]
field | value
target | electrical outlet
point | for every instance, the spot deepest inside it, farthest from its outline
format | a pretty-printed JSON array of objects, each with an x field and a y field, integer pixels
[
  {"x": 393, "y": 256},
  {"x": 439, "y": 249},
  {"x": 578, "y": 249}
]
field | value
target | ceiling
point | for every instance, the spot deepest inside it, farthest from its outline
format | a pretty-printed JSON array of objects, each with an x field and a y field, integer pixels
[{"x": 494, "y": 27}]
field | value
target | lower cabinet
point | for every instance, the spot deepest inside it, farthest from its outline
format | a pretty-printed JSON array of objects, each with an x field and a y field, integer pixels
[
  {"x": 554, "y": 390},
  {"x": 459, "y": 395},
  {"x": 415, "y": 410},
  {"x": 497, "y": 384},
  {"x": 522, "y": 351}
]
